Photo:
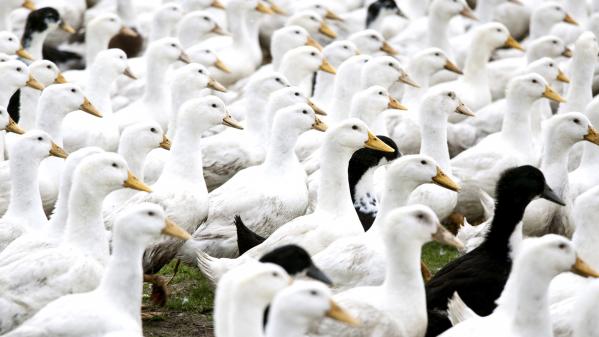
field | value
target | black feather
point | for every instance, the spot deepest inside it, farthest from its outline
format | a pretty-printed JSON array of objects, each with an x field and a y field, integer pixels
[{"x": 246, "y": 239}]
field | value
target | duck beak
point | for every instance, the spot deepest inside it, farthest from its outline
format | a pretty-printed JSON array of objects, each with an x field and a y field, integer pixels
[
  {"x": 464, "y": 110},
  {"x": 375, "y": 143},
  {"x": 569, "y": 19},
  {"x": 561, "y": 76},
  {"x": 394, "y": 104},
  {"x": 66, "y": 27},
  {"x": 60, "y": 79},
  {"x": 215, "y": 85},
  {"x": 583, "y": 269},
  {"x": 405, "y": 78},
  {"x": 550, "y": 195},
  {"x": 313, "y": 43},
  {"x": 22, "y": 53},
  {"x": 219, "y": 30},
  {"x": 319, "y": 275},
  {"x": 136, "y": 184},
  {"x": 183, "y": 57},
  {"x": 57, "y": 151},
  {"x": 128, "y": 31},
  {"x": 88, "y": 107},
  {"x": 172, "y": 229},
  {"x": 221, "y": 66},
  {"x": 232, "y": 122},
  {"x": 443, "y": 180},
  {"x": 129, "y": 73},
  {"x": 443, "y": 236},
  {"x": 327, "y": 67},
  {"x": 277, "y": 9},
  {"x": 263, "y": 8},
  {"x": 512, "y": 43},
  {"x": 339, "y": 314},
  {"x": 553, "y": 95},
  {"x": 467, "y": 13},
  {"x": 316, "y": 109},
  {"x": 35, "y": 84},
  {"x": 326, "y": 30},
  {"x": 567, "y": 52},
  {"x": 217, "y": 4},
  {"x": 14, "y": 127},
  {"x": 592, "y": 136},
  {"x": 29, "y": 5},
  {"x": 319, "y": 125},
  {"x": 388, "y": 49},
  {"x": 166, "y": 143},
  {"x": 332, "y": 16},
  {"x": 452, "y": 67}
]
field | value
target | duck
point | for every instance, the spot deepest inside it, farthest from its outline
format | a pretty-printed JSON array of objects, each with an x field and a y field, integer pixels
[
  {"x": 196, "y": 5},
  {"x": 560, "y": 133},
  {"x": 300, "y": 63},
  {"x": 16, "y": 75},
  {"x": 516, "y": 188},
  {"x": 296, "y": 262},
  {"x": 217, "y": 235},
  {"x": 336, "y": 53},
  {"x": 98, "y": 33},
  {"x": 297, "y": 307},
  {"x": 545, "y": 16},
  {"x": 314, "y": 24},
  {"x": 81, "y": 129},
  {"x": 287, "y": 38},
  {"x": 135, "y": 143},
  {"x": 581, "y": 179},
  {"x": 482, "y": 164},
  {"x": 32, "y": 280},
  {"x": 180, "y": 189},
  {"x": 197, "y": 26},
  {"x": 51, "y": 235},
  {"x": 207, "y": 57},
  {"x": 155, "y": 101},
  {"x": 9, "y": 6},
  {"x": 473, "y": 88},
  {"x": 9, "y": 44},
  {"x": 335, "y": 207},
  {"x": 371, "y": 42},
  {"x": 342, "y": 259},
  {"x": 525, "y": 294},
  {"x": 164, "y": 20},
  {"x": 39, "y": 24},
  {"x": 76, "y": 314},
  {"x": 24, "y": 212},
  {"x": 397, "y": 306}
]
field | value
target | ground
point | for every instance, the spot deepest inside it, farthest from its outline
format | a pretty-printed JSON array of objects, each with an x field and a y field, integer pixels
[{"x": 188, "y": 312}]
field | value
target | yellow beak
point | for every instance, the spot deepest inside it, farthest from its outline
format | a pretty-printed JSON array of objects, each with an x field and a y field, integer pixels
[
  {"x": 327, "y": 67},
  {"x": 13, "y": 127},
  {"x": 263, "y": 8},
  {"x": 561, "y": 76},
  {"x": 512, "y": 43},
  {"x": 583, "y": 269},
  {"x": 172, "y": 229},
  {"x": 339, "y": 314},
  {"x": 452, "y": 67},
  {"x": 313, "y": 43},
  {"x": 35, "y": 84},
  {"x": 553, "y": 95},
  {"x": 166, "y": 143},
  {"x": 375, "y": 143},
  {"x": 88, "y": 107},
  {"x": 388, "y": 49},
  {"x": 443, "y": 180},
  {"x": 327, "y": 31},
  {"x": 60, "y": 79},
  {"x": 394, "y": 104},
  {"x": 57, "y": 151},
  {"x": 221, "y": 66},
  {"x": 592, "y": 136},
  {"x": 24, "y": 54},
  {"x": 319, "y": 125},
  {"x": 136, "y": 184}
]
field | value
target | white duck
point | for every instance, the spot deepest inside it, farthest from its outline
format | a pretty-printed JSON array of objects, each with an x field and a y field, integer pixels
[
  {"x": 280, "y": 183},
  {"x": 196, "y": 27},
  {"x": 299, "y": 64},
  {"x": 482, "y": 164},
  {"x": 583, "y": 178},
  {"x": 114, "y": 304},
  {"x": 359, "y": 260},
  {"x": 336, "y": 53},
  {"x": 98, "y": 33},
  {"x": 164, "y": 21},
  {"x": 371, "y": 42},
  {"x": 77, "y": 264},
  {"x": 523, "y": 307},
  {"x": 24, "y": 212},
  {"x": 334, "y": 216},
  {"x": 9, "y": 6},
  {"x": 16, "y": 75},
  {"x": 10, "y": 44},
  {"x": 397, "y": 307},
  {"x": 286, "y": 39},
  {"x": 181, "y": 189},
  {"x": 81, "y": 129},
  {"x": 545, "y": 16},
  {"x": 314, "y": 24}
]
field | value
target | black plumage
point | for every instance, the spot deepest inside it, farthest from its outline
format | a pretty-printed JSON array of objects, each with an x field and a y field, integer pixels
[
  {"x": 38, "y": 21},
  {"x": 480, "y": 275},
  {"x": 360, "y": 162},
  {"x": 295, "y": 260},
  {"x": 380, "y": 9},
  {"x": 246, "y": 239}
]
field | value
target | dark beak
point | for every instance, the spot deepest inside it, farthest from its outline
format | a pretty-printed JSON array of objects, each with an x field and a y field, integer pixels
[
  {"x": 317, "y": 274},
  {"x": 551, "y": 196}
]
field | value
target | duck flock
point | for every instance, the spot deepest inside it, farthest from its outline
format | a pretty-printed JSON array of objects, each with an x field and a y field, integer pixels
[{"x": 300, "y": 154}]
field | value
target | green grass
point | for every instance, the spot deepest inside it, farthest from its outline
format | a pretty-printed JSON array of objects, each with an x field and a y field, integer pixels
[{"x": 436, "y": 256}]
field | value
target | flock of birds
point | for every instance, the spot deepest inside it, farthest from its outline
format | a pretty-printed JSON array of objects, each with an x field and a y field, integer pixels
[{"x": 300, "y": 154}]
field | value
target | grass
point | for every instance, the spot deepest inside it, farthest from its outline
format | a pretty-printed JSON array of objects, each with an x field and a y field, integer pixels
[{"x": 436, "y": 256}]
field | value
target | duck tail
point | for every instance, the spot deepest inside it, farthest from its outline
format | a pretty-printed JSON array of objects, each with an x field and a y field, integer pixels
[
  {"x": 458, "y": 311},
  {"x": 205, "y": 262},
  {"x": 246, "y": 239},
  {"x": 488, "y": 203}
]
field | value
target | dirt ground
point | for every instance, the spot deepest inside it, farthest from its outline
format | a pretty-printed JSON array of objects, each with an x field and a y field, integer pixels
[{"x": 180, "y": 324}]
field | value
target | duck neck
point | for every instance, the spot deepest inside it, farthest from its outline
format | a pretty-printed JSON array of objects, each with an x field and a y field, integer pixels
[
  {"x": 97, "y": 41},
  {"x": 555, "y": 163},
  {"x": 159, "y": 29},
  {"x": 434, "y": 140},
  {"x": 524, "y": 300},
  {"x": 590, "y": 156},
  {"x": 180, "y": 94},
  {"x": 484, "y": 10},
  {"x": 99, "y": 81},
  {"x": 49, "y": 119},
  {"x": 538, "y": 27},
  {"x": 33, "y": 42},
  {"x": 421, "y": 74},
  {"x": 247, "y": 315},
  {"x": 280, "y": 155},
  {"x": 185, "y": 162},
  {"x": 236, "y": 17},
  {"x": 85, "y": 225},
  {"x": 254, "y": 117},
  {"x": 394, "y": 196},
  {"x": 333, "y": 192},
  {"x": 540, "y": 110},
  {"x": 580, "y": 90},
  {"x": 584, "y": 239},
  {"x": 25, "y": 199},
  {"x": 58, "y": 219},
  {"x": 282, "y": 324},
  {"x": 123, "y": 279},
  {"x": 252, "y": 23},
  {"x": 156, "y": 87},
  {"x": 294, "y": 73},
  {"x": 134, "y": 157},
  {"x": 28, "y": 98},
  {"x": 516, "y": 129},
  {"x": 438, "y": 27},
  {"x": 509, "y": 211},
  {"x": 6, "y": 92},
  {"x": 126, "y": 12},
  {"x": 475, "y": 69}
]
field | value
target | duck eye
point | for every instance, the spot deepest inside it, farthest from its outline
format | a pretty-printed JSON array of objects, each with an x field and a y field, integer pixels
[
  {"x": 10, "y": 39},
  {"x": 19, "y": 69},
  {"x": 576, "y": 120},
  {"x": 173, "y": 45},
  {"x": 200, "y": 71},
  {"x": 423, "y": 162},
  {"x": 297, "y": 32},
  {"x": 374, "y": 37},
  {"x": 554, "y": 41},
  {"x": 420, "y": 216},
  {"x": 551, "y": 65},
  {"x": 345, "y": 47},
  {"x": 313, "y": 292},
  {"x": 437, "y": 54},
  {"x": 150, "y": 213},
  {"x": 305, "y": 112},
  {"x": 381, "y": 93},
  {"x": 499, "y": 30},
  {"x": 354, "y": 127},
  {"x": 562, "y": 246},
  {"x": 153, "y": 130},
  {"x": 206, "y": 18},
  {"x": 534, "y": 81},
  {"x": 48, "y": 67},
  {"x": 313, "y": 18},
  {"x": 73, "y": 90},
  {"x": 214, "y": 105},
  {"x": 112, "y": 20},
  {"x": 115, "y": 165},
  {"x": 275, "y": 274},
  {"x": 297, "y": 94},
  {"x": 390, "y": 64},
  {"x": 40, "y": 139},
  {"x": 313, "y": 54}
]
